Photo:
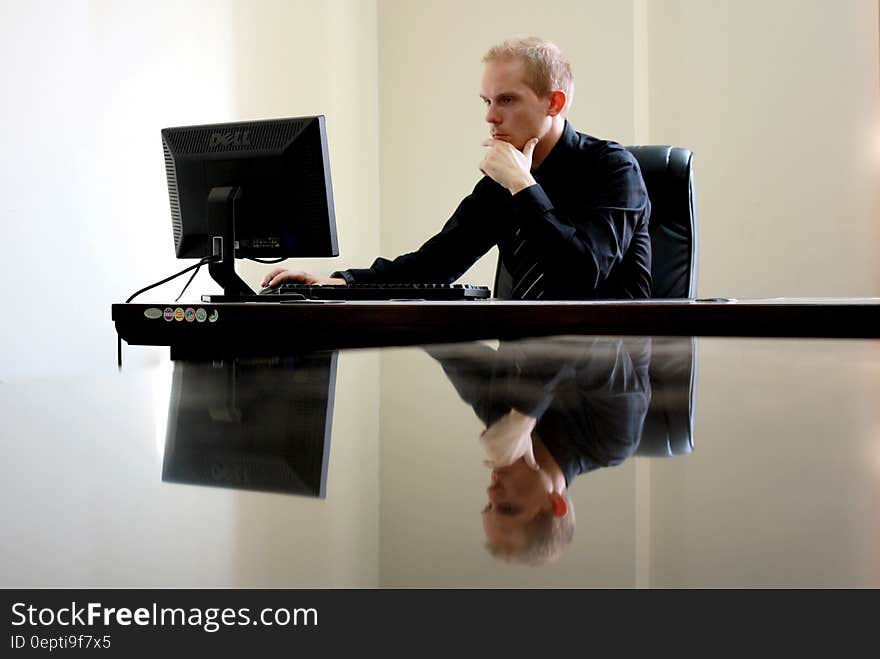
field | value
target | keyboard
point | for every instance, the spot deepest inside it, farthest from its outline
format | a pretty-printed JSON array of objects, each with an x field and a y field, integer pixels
[
  {"x": 391, "y": 291},
  {"x": 289, "y": 291}
]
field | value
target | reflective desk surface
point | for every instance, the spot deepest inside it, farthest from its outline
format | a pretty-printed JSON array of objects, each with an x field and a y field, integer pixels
[{"x": 708, "y": 462}]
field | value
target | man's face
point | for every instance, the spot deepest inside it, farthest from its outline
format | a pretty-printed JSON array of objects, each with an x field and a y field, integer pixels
[
  {"x": 517, "y": 493},
  {"x": 514, "y": 112}
]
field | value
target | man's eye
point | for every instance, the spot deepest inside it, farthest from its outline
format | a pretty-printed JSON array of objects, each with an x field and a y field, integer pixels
[{"x": 506, "y": 99}]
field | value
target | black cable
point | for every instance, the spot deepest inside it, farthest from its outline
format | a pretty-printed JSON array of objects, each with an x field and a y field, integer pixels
[
  {"x": 266, "y": 261},
  {"x": 207, "y": 259},
  {"x": 192, "y": 276}
]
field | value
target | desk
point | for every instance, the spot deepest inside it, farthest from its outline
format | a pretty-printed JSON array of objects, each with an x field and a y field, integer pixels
[
  {"x": 277, "y": 326},
  {"x": 778, "y": 483}
]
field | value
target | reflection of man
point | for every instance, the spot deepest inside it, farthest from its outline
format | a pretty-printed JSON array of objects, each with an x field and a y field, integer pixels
[
  {"x": 568, "y": 212},
  {"x": 554, "y": 409}
]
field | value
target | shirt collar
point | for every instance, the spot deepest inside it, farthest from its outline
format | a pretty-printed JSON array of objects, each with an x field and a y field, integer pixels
[{"x": 567, "y": 140}]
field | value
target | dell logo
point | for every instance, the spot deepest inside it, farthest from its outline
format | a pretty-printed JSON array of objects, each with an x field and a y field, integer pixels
[{"x": 230, "y": 138}]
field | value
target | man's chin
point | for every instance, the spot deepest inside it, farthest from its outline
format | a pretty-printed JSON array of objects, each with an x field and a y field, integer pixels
[{"x": 509, "y": 140}]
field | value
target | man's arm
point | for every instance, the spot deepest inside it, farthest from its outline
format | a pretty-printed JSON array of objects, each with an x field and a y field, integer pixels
[
  {"x": 493, "y": 382},
  {"x": 469, "y": 233},
  {"x": 583, "y": 243},
  {"x": 509, "y": 405},
  {"x": 465, "y": 237}
]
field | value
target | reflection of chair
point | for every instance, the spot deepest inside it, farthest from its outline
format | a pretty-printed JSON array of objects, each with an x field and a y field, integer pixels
[
  {"x": 669, "y": 423},
  {"x": 668, "y": 175}
]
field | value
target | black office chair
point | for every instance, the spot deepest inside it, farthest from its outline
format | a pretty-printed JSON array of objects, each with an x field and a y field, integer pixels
[
  {"x": 669, "y": 177},
  {"x": 668, "y": 174}
]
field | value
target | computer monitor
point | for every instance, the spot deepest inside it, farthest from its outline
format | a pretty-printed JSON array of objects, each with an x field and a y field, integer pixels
[
  {"x": 254, "y": 189},
  {"x": 253, "y": 423}
]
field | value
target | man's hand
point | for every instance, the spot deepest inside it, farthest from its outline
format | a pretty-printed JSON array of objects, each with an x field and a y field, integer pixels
[
  {"x": 509, "y": 439},
  {"x": 507, "y": 165},
  {"x": 279, "y": 275}
]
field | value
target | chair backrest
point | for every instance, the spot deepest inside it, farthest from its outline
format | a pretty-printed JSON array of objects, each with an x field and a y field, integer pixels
[
  {"x": 668, "y": 175},
  {"x": 669, "y": 423}
]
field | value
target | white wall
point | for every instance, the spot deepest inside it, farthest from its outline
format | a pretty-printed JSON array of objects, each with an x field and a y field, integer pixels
[
  {"x": 780, "y": 103},
  {"x": 87, "y": 87}
]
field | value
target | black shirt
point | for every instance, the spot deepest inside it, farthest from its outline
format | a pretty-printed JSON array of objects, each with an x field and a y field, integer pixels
[
  {"x": 589, "y": 395},
  {"x": 586, "y": 218}
]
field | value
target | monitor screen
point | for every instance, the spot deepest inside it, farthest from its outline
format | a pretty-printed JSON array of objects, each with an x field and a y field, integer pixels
[
  {"x": 255, "y": 189},
  {"x": 252, "y": 423}
]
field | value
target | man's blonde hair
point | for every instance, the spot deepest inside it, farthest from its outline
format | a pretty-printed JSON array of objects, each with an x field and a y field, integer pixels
[
  {"x": 544, "y": 538},
  {"x": 547, "y": 69}
]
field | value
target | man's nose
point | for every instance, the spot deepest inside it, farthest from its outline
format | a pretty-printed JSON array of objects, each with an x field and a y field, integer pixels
[{"x": 492, "y": 116}]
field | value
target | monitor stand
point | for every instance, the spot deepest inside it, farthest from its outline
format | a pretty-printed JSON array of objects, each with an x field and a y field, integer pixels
[{"x": 221, "y": 227}]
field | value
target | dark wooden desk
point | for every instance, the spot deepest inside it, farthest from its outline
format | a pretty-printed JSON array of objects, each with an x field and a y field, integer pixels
[
  {"x": 299, "y": 325},
  {"x": 780, "y": 489}
]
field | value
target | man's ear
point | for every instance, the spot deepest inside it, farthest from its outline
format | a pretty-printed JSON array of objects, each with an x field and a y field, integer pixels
[
  {"x": 559, "y": 504},
  {"x": 557, "y": 102}
]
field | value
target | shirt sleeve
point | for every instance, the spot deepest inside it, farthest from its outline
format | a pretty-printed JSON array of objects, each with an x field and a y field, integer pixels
[
  {"x": 586, "y": 241},
  {"x": 493, "y": 382},
  {"x": 465, "y": 237}
]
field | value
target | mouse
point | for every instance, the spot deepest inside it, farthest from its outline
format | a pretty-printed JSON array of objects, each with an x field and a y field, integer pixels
[{"x": 269, "y": 290}]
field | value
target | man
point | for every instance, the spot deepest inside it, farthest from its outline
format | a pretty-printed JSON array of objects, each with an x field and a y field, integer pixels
[
  {"x": 569, "y": 212},
  {"x": 554, "y": 409}
]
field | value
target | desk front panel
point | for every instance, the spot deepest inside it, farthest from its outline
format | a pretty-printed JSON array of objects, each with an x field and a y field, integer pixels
[{"x": 279, "y": 326}]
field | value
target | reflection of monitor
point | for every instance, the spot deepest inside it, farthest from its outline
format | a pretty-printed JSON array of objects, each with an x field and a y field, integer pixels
[
  {"x": 256, "y": 189},
  {"x": 253, "y": 424}
]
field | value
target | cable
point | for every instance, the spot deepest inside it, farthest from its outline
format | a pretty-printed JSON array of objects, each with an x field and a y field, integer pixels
[
  {"x": 266, "y": 261},
  {"x": 189, "y": 281},
  {"x": 207, "y": 259}
]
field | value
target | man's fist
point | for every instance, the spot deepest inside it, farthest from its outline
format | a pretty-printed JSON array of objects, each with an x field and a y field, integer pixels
[
  {"x": 509, "y": 439},
  {"x": 507, "y": 165}
]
